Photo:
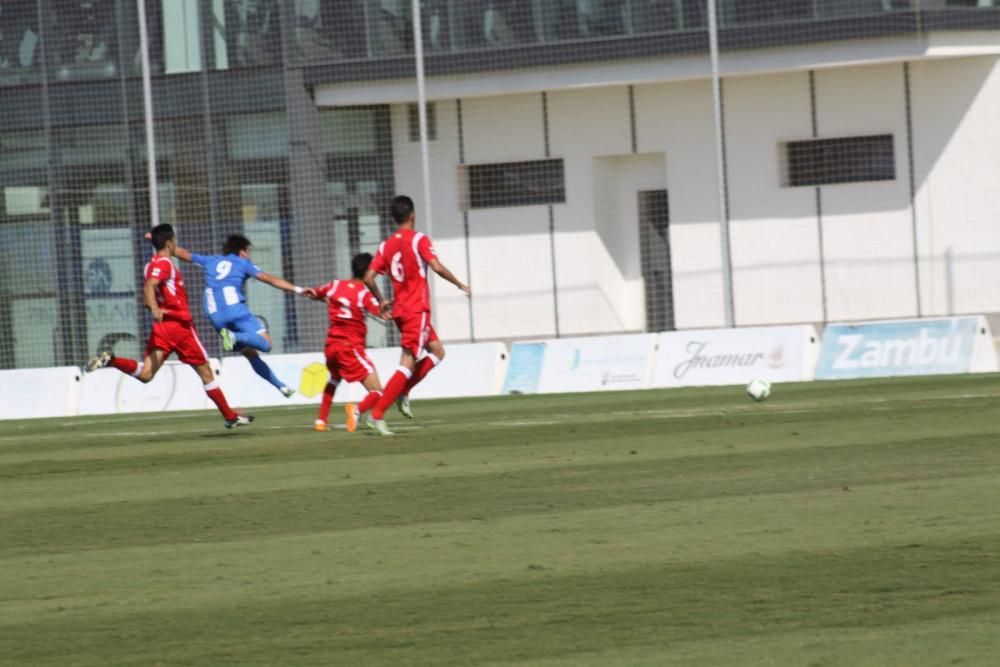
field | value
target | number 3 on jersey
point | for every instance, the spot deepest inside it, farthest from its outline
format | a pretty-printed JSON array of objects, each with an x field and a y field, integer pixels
[
  {"x": 396, "y": 267},
  {"x": 345, "y": 309}
]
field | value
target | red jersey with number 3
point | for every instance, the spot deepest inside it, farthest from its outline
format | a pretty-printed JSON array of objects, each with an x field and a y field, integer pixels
[
  {"x": 404, "y": 256},
  {"x": 348, "y": 301},
  {"x": 171, "y": 296}
]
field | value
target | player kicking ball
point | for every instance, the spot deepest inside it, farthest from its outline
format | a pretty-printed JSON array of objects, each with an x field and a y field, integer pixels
[
  {"x": 405, "y": 256},
  {"x": 226, "y": 303},
  {"x": 346, "y": 359},
  {"x": 173, "y": 328}
]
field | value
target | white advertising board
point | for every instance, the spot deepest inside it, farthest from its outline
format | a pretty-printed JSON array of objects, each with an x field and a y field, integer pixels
[
  {"x": 603, "y": 363},
  {"x": 39, "y": 392},
  {"x": 475, "y": 369},
  {"x": 735, "y": 356},
  {"x": 175, "y": 387}
]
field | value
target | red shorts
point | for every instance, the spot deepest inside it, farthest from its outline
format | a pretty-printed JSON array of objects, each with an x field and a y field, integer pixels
[
  {"x": 180, "y": 337},
  {"x": 415, "y": 331},
  {"x": 346, "y": 362}
]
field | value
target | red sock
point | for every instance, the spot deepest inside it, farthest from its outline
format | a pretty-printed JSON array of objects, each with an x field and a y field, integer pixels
[
  {"x": 424, "y": 366},
  {"x": 214, "y": 393},
  {"x": 369, "y": 401},
  {"x": 127, "y": 366},
  {"x": 324, "y": 406},
  {"x": 392, "y": 390}
]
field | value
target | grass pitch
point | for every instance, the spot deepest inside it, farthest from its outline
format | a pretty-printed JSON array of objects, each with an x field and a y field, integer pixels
[{"x": 848, "y": 523}]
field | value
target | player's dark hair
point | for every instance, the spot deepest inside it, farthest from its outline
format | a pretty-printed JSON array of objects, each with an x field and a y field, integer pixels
[
  {"x": 402, "y": 207},
  {"x": 360, "y": 263},
  {"x": 235, "y": 244},
  {"x": 160, "y": 234}
]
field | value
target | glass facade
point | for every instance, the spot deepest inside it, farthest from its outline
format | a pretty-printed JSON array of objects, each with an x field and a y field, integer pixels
[{"x": 240, "y": 145}]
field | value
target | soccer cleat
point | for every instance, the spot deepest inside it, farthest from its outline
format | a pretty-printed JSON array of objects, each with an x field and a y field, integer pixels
[
  {"x": 351, "y": 410},
  {"x": 241, "y": 420},
  {"x": 287, "y": 392},
  {"x": 100, "y": 361},
  {"x": 228, "y": 339},
  {"x": 403, "y": 403},
  {"x": 378, "y": 425},
  {"x": 320, "y": 425}
]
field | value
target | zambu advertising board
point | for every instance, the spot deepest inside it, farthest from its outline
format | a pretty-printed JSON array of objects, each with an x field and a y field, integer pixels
[{"x": 907, "y": 347}]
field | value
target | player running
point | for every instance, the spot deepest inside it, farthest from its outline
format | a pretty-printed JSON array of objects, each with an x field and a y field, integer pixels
[
  {"x": 405, "y": 256},
  {"x": 348, "y": 301},
  {"x": 173, "y": 327},
  {"x": 225, "y": 302}
]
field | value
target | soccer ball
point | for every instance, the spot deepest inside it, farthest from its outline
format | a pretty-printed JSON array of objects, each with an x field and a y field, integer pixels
[{"x": 759, "y": 390}]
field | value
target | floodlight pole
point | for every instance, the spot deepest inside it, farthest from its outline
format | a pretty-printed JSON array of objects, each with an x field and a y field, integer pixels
[
  {"x": 720, "y": 166},
  {"x": 425, "y": 160},
  {"x": 147, "y": 105}
]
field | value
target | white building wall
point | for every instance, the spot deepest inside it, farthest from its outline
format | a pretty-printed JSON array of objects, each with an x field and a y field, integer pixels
[
  {"x": 774, "y": 234},
  {"x": 867, "y": 227},
  {"x": 509, "y": 251},
  {"x": 596, "y": 245},
  {"x": 676, "y": 119},
  {"x": 956, "y": 120}
]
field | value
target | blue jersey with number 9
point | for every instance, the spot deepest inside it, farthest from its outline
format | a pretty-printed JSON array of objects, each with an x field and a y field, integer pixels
[{"x": 225, "y": 277}]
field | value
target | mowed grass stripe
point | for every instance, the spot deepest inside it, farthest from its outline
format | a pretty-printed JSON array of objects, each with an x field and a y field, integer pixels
[
  {"x": 343, "y": 460},
  {"x": 428, "y": 555},
  {"x": 551, "y": 485},
  {"x": 538, "y": 615}
]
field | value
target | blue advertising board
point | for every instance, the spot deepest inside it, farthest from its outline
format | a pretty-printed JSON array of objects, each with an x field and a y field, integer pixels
[
  {"x": 525, "y": 368},
  {"x": 906, "y": 347}
]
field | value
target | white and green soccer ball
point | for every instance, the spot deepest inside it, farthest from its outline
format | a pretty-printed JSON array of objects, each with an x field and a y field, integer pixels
[{"x": 759, "y": 389}]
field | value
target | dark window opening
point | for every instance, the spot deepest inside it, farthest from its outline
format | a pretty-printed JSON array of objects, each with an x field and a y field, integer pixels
[
  {"x": 516, "y": 184},
  {"x": 414, "y": 117},
  {"x": 844, "y": 160}
]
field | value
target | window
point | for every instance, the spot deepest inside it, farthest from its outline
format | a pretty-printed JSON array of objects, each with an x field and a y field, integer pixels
[
  {"x": 413, "y": 113},
  {"x": 515, "y": 184},
  {"x": 844, "y": 160}
]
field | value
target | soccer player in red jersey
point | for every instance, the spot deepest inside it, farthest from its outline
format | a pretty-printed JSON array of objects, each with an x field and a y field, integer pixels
[
  {"x": 405, "y": 256},
  {"x": 346, "y": 359},
  {"x": 173, "y": 327}
]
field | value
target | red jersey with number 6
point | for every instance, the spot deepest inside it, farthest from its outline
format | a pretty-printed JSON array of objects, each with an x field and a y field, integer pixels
[
  {"x": 171, "y": 296},
  {"x": 404, "y": 256},
  {"x": 348, "y": 300}
]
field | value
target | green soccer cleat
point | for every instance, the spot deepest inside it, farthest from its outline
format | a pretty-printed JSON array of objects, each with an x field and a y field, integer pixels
[
  {"x": 100, "y": 361},
  {"x": 228, "y": 339},
  {"x": 403, "y": 403},
  {"x": 378, "y": 425}
]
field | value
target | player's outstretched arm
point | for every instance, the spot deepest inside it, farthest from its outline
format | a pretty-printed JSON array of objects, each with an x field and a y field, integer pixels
[
  {"x": 443, "y": 271},
  {"x": 149, "y": 298},
  {"x": 372, "y": 286},
  {"x": 180, "y": 253},
  {"x": 282, "y": 284}
]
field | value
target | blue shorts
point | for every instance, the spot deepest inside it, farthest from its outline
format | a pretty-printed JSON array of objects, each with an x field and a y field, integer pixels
[{"x": 239, "y": 320}]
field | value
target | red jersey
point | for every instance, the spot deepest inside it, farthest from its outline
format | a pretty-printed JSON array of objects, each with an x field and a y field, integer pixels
[
  {"x": 348, "y": 300},
  {"x": 170, "y": 293},
  {"x": 405, "y": 256}
]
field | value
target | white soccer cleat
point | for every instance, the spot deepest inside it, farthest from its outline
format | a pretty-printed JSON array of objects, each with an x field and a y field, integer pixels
[
  {"x": 287, "y": 392},
  {"x": 100, "y": 361},
  {"x": 228, "y": 339},
  {"x": 241, "y": 420},
  {"x": 319, "y": 425},
  {"x": 403, "y": 403},
  {"x": 378, "y": 425}
]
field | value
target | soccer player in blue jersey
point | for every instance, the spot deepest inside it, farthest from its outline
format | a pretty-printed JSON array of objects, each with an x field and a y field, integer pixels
[{"x": 225, "y": 302}]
